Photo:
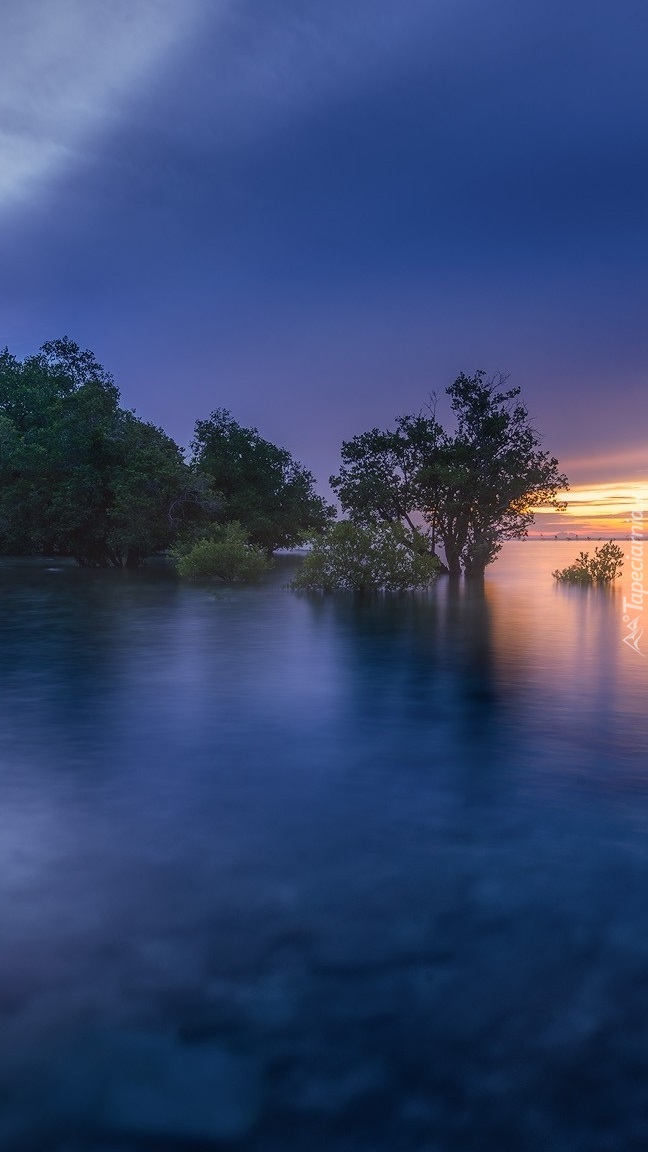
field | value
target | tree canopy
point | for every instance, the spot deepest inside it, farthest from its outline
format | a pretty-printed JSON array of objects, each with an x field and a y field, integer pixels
[
  {"x": 389, "y": 557},
  {"x": 473, "y": 487},
  {"x": 79, "y": 475},
  {"x": 226, "y": 554},
  {"x": 258, "y": 484},
  {"x": 602, "y": 568},
  {"x": 83, "y": 477}
]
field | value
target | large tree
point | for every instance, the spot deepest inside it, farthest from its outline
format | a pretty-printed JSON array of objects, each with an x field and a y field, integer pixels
[
  {"x": 258, "y": 483},
  {"x": 79, "y": 475},
  {"x": 474, "y": 487}
]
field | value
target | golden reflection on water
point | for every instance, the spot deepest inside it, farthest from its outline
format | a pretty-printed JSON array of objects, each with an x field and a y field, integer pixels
[{"x": 565, "y": 647}]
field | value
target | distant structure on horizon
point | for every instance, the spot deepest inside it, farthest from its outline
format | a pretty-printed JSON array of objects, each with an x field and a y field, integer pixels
[{"x": 576, "y": 536}]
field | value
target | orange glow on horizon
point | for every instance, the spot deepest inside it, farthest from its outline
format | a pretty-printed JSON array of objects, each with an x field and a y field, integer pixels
[{"x": 596, "y": 510}]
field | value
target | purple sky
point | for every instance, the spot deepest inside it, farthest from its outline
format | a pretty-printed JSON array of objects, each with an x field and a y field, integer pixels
[{"x": 315, "y": 212}]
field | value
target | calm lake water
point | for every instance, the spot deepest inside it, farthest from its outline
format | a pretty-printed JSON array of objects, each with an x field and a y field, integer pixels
[{"x": 281, "y": 874}]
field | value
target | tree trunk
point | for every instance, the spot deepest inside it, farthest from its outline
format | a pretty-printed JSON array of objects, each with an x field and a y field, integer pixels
[
  {"x": 133, "y": 558},
  {"x": 475, "y": 569},
  {"x": 454, "y": 563}
]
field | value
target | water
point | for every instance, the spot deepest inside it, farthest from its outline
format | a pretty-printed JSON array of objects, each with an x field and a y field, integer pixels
[{"x": 281, "y": 874}]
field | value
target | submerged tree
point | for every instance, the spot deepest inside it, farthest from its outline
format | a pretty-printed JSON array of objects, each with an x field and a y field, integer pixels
[
  {"x": 258, "y": 484},
  {"x": 80, "y": 476},
  {"x": 602, "y": 568},
  {"x": 367, "y": 558},
  {"x": 386, "y": 476},
  {"x": 473, "y": 488},
  {"x": 225, "y": 553}
]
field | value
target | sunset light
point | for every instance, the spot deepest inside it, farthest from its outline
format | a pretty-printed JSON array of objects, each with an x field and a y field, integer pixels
[
  {"x": 594, "y": 510},
  {"x": 323, "y": 575}
]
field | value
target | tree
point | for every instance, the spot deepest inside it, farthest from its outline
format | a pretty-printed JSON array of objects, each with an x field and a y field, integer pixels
[
  {"x": 259, "y": 485},
  {"x": 389, "y": 557},
  {"x": 603, "y": 567},
  {"x": 58, "y": 406},
  {"x": 80, "y": 476},
  {"x": 154, "y": 495},
  {"x": 391, "y": 476},
  {"x": 473, "y": 488},
  {"x": 226, "y": 554},
  {"x": 498, "y": 472}
]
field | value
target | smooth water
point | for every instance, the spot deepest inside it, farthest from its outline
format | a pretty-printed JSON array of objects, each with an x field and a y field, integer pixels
[{"x": 282, "y": 874}]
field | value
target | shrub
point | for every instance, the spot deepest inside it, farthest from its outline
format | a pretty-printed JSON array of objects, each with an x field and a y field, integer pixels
[
  {"x": 604, "y": 566},
  {"x": 225, "y": 555},
  {"x": 386, "y": 558}
]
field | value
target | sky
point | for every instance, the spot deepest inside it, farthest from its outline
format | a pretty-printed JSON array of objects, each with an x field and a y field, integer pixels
[{"x": 316, "y": 213}]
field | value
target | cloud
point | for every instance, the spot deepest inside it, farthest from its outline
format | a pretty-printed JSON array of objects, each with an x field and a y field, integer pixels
[
  {"x": 596, "y": 508},
  {"x": 66, "y": 67},
  {"x": 577, "y": 77},
  {"x": 268, "y": 64},
  {"x": 71, "y": 67},
  {"x": 620, "y": 466},
  {"x": 71, "y": 70}
]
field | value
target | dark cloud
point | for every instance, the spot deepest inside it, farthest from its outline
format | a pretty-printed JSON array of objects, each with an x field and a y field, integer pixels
[{"x": 315, "y": 213}]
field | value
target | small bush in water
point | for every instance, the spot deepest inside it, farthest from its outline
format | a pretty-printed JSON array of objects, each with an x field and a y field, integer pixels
[
  {"x": 226, "y": 555},
  {"x": 385, "y": 558},
  {"x": 604, "y": 566}
]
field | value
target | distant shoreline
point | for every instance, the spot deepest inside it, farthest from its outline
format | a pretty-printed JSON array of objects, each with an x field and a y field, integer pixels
[{"x": 569, "y": 539}]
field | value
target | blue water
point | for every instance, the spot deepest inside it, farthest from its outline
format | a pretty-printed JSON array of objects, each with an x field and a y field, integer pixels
[{"x": 281, "y": 874}]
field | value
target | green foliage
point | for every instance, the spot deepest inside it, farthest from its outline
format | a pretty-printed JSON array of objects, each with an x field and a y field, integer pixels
[
  {"x": 370, "y": 558},
  {"x": 474, "y": 488},
  {"x": 79, "y": 475},
  {"x": 226, "y": 554},
  {"x": 258, "y": 484},
  {"x": 604, "y": 566},
  {"x": 154, "y": 493}
]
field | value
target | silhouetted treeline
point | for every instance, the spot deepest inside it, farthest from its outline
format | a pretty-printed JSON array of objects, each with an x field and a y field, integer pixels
[{"x": 81, "y": 476}]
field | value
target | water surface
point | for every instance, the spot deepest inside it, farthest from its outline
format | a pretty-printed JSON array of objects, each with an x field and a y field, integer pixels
[{"x": 282, "y": 873}]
